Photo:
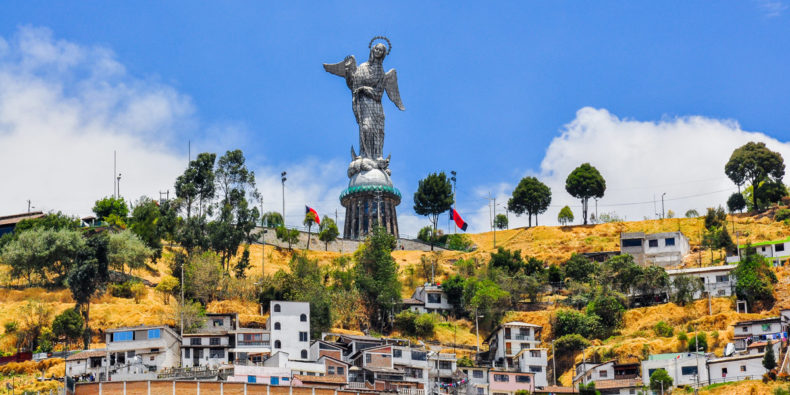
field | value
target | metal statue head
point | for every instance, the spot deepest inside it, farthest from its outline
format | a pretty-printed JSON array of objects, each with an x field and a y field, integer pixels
[{"x": 379, "y": 51}]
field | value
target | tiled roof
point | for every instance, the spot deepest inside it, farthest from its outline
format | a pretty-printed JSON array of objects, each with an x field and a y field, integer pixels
[
  {"x": 553, "y": 389},
  {"x": 321, "y": 379},
  {"x": 87, "y": 354},
  {"x": 15, "y": 218},
  {"x": 617, "y": 383}
]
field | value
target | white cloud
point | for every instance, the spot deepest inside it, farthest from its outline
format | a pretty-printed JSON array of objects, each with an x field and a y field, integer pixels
[
  {"x": 683, "y": 157},
  {"x": 772, "y": 8}
]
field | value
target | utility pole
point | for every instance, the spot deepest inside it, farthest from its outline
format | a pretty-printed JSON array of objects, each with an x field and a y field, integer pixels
[
  {"x": 119, "y": 186},
  {"x": 453, "y": 179},
  {"x": 477, "y": 331},
  {"x": 662, "y": 205},
  {"x": 492, "y": 224},
  {"x": 28, "y": 205},
  {"x": 283, "y": 178},
  {"x": 114, "y": 173},
  {"x": 263, "y": 244},
  {"x": 554, "y": 362}
]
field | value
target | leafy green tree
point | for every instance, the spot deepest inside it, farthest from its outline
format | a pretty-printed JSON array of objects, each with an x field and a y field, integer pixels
[
  {"x": 566, "y": 348},
  {"x": 459, "y": 242},
  {"x": 68, "y": 326},
  {"x": 45, "y": 253},
  {"x": 663, "y": 329},
  {"x": 272, "y": 220},
  {"x": 692, "y": 213},
  {"x": 145, "y": 224},
  {"x": 167, "y": 287},
  {"x": 555, "y": 273},
  {"x": 203, "y": 274},
  {"x": 377, "y": 277},
  {"x": 754, "y": 279},
  {"x": 753, "y": 163},
  {"x": 653, "y": 280},
  {"x": 565, "y": 216},
  {"x": 309, "y": 221},
  {"x": 579, "y": 268},
  {"x": 660, "y": 380},
  {"x": 327, "y": 231},
  {"x": 89, "y": 276},
  {"x": 168, "y": 223},
  {"x": 700, "y": 338},
  {"x": 621, "y": 273},
  {"x": 424, "y": 326},
  {"x": 715, "y": 218},
  {"x": 126, "y": 249},
  {"x": 196, "y": 186},
  {"x": 609, "y": 308},
  {"x": 507, "y": 260},
  {"x": 588, "y": 389},
  {"x": 453, "y": 287},
  {"x": 566, "y": 322},
  {"x": 286, "y": 235},
  {"x": 486, "y": 298},
  {"x": 241, "y": 266},
  {"x": 583, "y": 183},
  {"x": 500, "y": 221},
  {"x": 530, "y": 196},
  {"x": 434, "y": 196},
  {"x": 769, "y": 359},
  {"x": 736, "y": 202},
  {"x": 684, "y": 289},
  {"x": 106, "y": 207}
]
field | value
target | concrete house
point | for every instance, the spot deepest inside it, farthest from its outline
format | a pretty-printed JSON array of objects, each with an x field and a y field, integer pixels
[
  {"x": 660, "y": 249},
  {"x": 289, "y": 328},
  {"x": 684, "y": 368},
  {"x": 478, "y": 379},
  {"x": 140, "y": 352},
  {"x": 414, "y": 363},
  {"x": 515, "y": 346},
  {"x": 716, "y": 280},
  {"x": 736, "y": 368},
  {"x": 508, "y": 383},
  {"x": 428, "y": 298},
  {"x": 610, "y": 370},
  {"x": 443, "y": 367},
  {"x": 776, "y": 251},
  {"x": 86, "y": 364},
  {"x": 221, "y": 341},
  {"x": 747, "y": 332}
]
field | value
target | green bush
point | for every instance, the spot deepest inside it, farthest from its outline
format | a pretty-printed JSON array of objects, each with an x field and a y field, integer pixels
[
  {"x": 700, "y": 338},
  {"x": 569, "y": 344},
  {"x": 567, "y": 322},
  {"x": 782, "y": 214},
  {"x": 424, "y": 325},
  {"x": 459, "y": 242},
  {"x": 122, "y": 290},
  {"x": 413, "y": 324},
  {"x": 663, "y": 329}
]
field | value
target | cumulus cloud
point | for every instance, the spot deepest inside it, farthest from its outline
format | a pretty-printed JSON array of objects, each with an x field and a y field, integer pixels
[{"x": 683, "y": 157}]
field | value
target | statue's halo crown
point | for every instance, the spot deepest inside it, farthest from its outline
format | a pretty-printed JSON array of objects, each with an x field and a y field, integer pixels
[{"x": 389, "y": 45}]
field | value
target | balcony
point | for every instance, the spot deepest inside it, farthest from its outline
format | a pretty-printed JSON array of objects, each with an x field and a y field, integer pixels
[
  {"x": 523, "y": 337},
  {"x": 254, "y": 343}
]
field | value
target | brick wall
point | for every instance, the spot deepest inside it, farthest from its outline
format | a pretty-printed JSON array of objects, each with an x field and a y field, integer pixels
[{"x": 205, "y": 387}]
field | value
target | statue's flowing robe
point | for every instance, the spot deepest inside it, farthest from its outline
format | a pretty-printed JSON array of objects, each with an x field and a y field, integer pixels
[{"x": 368, "y": 109}]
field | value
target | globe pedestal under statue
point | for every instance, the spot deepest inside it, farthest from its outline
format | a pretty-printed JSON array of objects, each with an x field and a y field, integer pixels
[{"x": 370, "y": 200}]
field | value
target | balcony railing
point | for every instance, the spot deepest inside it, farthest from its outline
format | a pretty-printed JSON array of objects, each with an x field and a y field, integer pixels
[
  {"x": 523, "y": 337},
  {"x": 254, "y": 343}
]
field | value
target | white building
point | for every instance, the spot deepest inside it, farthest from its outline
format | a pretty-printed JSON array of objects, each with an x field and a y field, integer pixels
[
  {"x": 661, "y": 249},
  {"x": 684, "y": 368},
  {"x": 289, "y": 328},
  {"x": 776, "y": 251},
  {"x": 428, "y": 298},
  {"x": 736, "y": 368},
  {"x": 717, "y": 280},
  {"x": 442, "y": 367},
  {"x": 534, "y": 360},
  {"x": 140, "y": 352},
  {"x": 261, "y": 375},
  {"x": 221, "y": 341},
  {"x": 507, "y": 340},
  {"x": 85, "y": 364},
  {"x": 414, "y": 363},
  {"x": 478, "y": 379},
  {"x": 610, "y": 370},
  {"x": 747, "y": 332}
]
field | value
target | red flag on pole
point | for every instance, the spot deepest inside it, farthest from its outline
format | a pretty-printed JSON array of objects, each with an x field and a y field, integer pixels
[
  {"x": 308, "y": 209},
  {"x": 458, "y": 220}
]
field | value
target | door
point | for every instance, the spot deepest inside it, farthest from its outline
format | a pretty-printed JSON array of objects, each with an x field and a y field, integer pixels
[{"x": 197, "y": 355}]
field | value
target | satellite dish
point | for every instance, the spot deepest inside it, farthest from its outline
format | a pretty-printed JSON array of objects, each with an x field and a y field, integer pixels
[{"x": 729, "y": 349}]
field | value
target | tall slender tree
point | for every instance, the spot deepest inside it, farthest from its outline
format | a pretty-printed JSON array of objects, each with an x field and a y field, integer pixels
[
  {"x": 754, "y": 163},
  {"x": 583, "y": 183},
  {"x": 530, "y": 196},
  {"x": 434, "y": 196}
]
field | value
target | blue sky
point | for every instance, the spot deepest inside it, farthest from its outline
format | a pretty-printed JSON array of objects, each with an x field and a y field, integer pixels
[{"x": 488, "y": 88}]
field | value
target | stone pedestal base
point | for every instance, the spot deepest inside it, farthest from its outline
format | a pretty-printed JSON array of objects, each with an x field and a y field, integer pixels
[{"x": 368, "y": 206}]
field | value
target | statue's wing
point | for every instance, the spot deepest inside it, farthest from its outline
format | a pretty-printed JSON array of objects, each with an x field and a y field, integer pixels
[
  {"x": 391, "y": 86},
  {"x": 348, "y": 65}
]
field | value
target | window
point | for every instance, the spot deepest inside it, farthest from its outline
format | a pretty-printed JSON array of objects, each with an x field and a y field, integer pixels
[
  {"x": 130, "y": 354},
  {"x": 779, "y": 247},
  {"x": 152, "y": 358},
  {"x": 523, "y": 379},
  {"x": 743, "y": 368},
  {"x": 214, "y": 341},
  {"x": 303, "y": 318},
  {"x": 277, "y": 344},
  {"x": 502, "y": 378},
  {"x": 434, "y": 298},
  {"x": 330, "y": 370},
  {"x": 632, "y": 391},
  {"x": 368, "y": 358},
  {"x": 123, "y": 336},
  {"x": 745, "y": 329},
  {"x": 276, "y": 308},
  {"x": 341, "y": 370},
  {"x": 217, "y": 322},
  {"x": 304, "y": 354},
  {"x": 419, "y": 355},
  {"x": 481, "y": 391},
  {"x": 632, "y": 242},
  {"x": 186, "y": 352},
  {"x": 720, "y": 292},
  {"x": 723, "y": 372},
  {"x": 766, "y": 327},
  {"x": 154, "y": 333},
  {"x": 274, "y": 380},
  {"x": 669, "y": 241},
  {"x": 650, "y": 372},
  {"x": 154, "y": 350},
  {"x": 688, "y": 370},
  {"x": 447, "y": 365},
  {"x": 478, "y": 374},
  {"x": 538, "y": 369},
  {"x": 303, "y": 336},
  {"x": 652, "y": 243},
  {"x": 602, "y": 373},
  {"x": 252, "y": 379},
  {"x": 534, "y": 354},
  {"x": 195, "y": 341},
  {"x": 277, "y": 326},
  {"x": 723, "y": 279},
  {"x": 216, "y": 353},
  {"x": 397, "y": 353}
]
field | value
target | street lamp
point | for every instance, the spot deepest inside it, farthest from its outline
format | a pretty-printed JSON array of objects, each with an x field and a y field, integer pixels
[
  {"x": 477, "y": 332},
  {"x": 283, "y": 178},
  {"x": 119, "y": 185},
  {"x": 662, "y": 205}
]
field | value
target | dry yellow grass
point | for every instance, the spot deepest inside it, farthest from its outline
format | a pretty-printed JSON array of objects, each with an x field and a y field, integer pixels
[{"x": 751, "y": 387}]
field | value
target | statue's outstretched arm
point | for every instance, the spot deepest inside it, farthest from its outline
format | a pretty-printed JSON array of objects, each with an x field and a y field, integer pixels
[
  {"x": 391, "y": 86},
  {"x": 343, "y": 69}
]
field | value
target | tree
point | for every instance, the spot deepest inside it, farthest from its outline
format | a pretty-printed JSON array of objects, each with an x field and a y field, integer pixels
[
  {"x": 434, "y": 196},
  {"x": 68, "y": 326},
  {"x": 145, "y": 224},
  {"x": 243, "y": 263},
  {"x": 530, "y": 196},
  {"x": 89, "y": 276},
  {"x": 507, "y": 260},
  {"x": 196, "y": 184},
  {"x": 202, "y": 276},
  {"x": 45, "y": 253},
  {"x": 377, "y": 277},
  {"x": 500, "y": 221},
  {"x": 769, "y": 359},
  {"x": 486, "y": 298},
  {"x": 108, "y": 206},
  {"x": 754, "y": 279},
  {"x": 272, "y": 220},
  {"x": 670, "y": 214},
  {"x": 565, "y": 216},
  {"x": 700, "y": 338},
  {"x": 167, "y": 287},
  {"x": 588, "y": 389},
  {"x": 692, "y": 213},
  {"x": 309, "y": 221},
  {"x": 126, "y": 249},
  {"x": 566, "y": 322},
  {"x": 583, "y": 183},
  {"x": 610, "y": 308},
  {"x": 653, "y": 280},
  {"x": 453, "y": 287},
  {"x": 35, "y": 317},
  {"x": 286, "y": 235},
  {"x": 736, "y": 202},
  {"x": 660, "y": 380},
  {"x": 753, "y": 163},
  {"x": 768, "y": 192},
  {"x": 327, "y": 231},
  {"x": 579, "y": 268},
  {"x": 685, "y": 288},
  {"x": 621, "y": 273}
]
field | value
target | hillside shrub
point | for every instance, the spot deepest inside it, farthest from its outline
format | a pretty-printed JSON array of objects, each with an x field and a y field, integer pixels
[
  {"x": 122, "y": 290},
  {"x": 782, "y": 214},
  {"x": 570, "y": 344},
  {"x": 663, "y": 329},
  {"x": 424, "y": 325},
  {"x": 609, "y": 308},
  {"x": 569, "y": 322},
  {"x": 459, "y": 242},
  {"x": 700, "y": 338},
  {"x": 579, "y": 268},
  {"x": 755, "y": 280},
  {"x": 659, "y": 380}
]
